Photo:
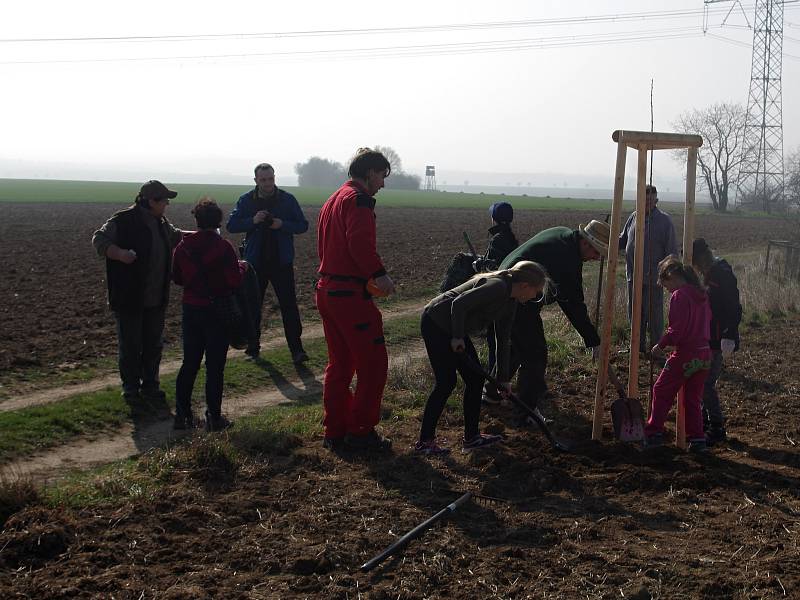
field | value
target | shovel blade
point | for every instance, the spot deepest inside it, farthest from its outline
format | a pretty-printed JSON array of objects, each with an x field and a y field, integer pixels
[{"x": 628, "y": 420}]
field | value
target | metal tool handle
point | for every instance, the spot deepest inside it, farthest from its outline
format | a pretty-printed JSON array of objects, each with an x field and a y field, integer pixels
[{"x": 469, "y": 244}]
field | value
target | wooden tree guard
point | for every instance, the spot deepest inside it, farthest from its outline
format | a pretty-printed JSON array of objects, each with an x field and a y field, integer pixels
[{"x": 642, "y": 141}]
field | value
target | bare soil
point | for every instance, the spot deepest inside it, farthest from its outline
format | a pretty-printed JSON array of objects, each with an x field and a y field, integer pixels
[
  {"x": 53, "y": 298},
  {"x": 605, "y": 521}
]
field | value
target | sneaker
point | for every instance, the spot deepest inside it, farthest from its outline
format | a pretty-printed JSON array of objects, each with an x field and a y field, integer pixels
[
  {"x": 430, "y": 448},
  {"x": 698, "y": 446},
  {"x": 371, "y": 441},
  {"x": 183, "y": 422},
  {"x": 716, "y": 435},
  {"x": 299, "y": 357},
  {"x": 219, "y": 423},
  {"x": 481, "y": 440},
  {"x": 333, "y": 443},
  {"x": 654, "y": 440}
]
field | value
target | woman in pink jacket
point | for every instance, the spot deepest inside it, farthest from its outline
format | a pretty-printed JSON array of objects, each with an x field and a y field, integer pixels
[{"x": 690, "y": 357}]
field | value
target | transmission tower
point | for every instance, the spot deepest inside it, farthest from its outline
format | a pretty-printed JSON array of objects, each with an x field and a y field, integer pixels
[{"x": 760, "y": 181}]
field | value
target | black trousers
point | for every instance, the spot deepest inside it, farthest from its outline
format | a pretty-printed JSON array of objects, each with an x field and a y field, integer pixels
[
  {"x": 529, "y": 353},
  {"x": 203, "y": 334},
  {"x": 282, "y": 279},
  {"x": 141, "y": 340},
  {"x": 445, "y": 364}
]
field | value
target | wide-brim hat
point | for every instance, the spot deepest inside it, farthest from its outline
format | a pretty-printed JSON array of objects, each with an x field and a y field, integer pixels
[{"x": 597, "y": 234}]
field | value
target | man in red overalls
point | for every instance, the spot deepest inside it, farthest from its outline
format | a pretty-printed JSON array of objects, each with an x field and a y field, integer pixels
[{"x": 346, "y": 243}]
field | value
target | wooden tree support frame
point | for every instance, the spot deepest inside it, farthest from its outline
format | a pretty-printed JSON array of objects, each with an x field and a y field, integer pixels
[{"x": 642, "y": 141}]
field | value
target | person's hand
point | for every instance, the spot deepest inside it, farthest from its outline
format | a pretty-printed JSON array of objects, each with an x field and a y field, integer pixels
[
  {"x": 245, "y": 263},
  {"x": 385, "y": 284},
  {"x": 457, "y": 345},
  {"x": 595, "y": 353},
  {"x": 727, "y": 346},
  {"x": 505, "y": 388},
  {"x": 276, "y": 223},
  {"x": 260, "y": 216},
  {"x": 126, "y": 256}
]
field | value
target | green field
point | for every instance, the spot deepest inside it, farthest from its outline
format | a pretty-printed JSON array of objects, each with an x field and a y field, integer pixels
[{"x": 49, "y": 190}]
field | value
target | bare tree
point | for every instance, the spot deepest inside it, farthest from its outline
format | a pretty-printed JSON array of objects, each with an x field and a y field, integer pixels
[
  {"x": 722, "y": 152},
  {"x": 792, "y": 181},
  {"x": 392, "y": 156}
]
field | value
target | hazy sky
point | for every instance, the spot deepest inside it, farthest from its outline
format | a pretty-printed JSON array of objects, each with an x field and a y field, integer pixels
[{"x": 235, "y": 100}]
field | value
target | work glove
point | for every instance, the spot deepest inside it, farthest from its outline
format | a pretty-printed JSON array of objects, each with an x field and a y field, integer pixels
[{"x": 727, "y": 346}]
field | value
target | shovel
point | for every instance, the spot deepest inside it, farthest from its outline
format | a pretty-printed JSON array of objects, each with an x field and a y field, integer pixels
[
  {"x": 626, "y": 413},
  {"x": 534, "y": 415}
]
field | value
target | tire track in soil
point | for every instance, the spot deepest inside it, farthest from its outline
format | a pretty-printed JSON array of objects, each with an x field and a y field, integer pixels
[
  {"x": 130, "y": 441},
  {"x": 49, "y": 395}
]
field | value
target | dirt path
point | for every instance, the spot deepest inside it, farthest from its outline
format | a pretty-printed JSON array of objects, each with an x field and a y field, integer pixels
[
  {"x": 48, "y": 395},
  {"x": 132, "y": 440}
]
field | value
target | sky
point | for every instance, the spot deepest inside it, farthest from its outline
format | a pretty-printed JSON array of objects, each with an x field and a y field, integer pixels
[{"x": 529, "y": 92}]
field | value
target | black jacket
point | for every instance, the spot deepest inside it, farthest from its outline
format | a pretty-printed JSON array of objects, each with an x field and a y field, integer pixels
[
  {"x": 126, "y": 283},
  {"x": 501, "y": 244},
  {"x": 723, "y": 295}
]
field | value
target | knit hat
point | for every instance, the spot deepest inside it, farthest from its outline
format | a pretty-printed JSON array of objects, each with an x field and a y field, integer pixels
[{"x": 502, "y": 212}]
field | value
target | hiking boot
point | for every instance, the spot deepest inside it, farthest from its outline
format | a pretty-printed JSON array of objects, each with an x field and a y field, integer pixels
[
  {"x": 654, "y": 440},
  {"x": 252, "y": 352},
  {"x": 300, "y": 357},
  {"x": 220, "y": 423},
  {"x": 491, "y": 399},
  {"x": 371, "y": 441},
  {"x": 155, "y": 395},
  {"x": 480, "y": 440},
  {"x": 333, "y": 444},
  {"x": 430, "y": 448},
  {"x": 698, "y": 446},
  {"x": 529, "y": 420},
  {"x": 183, "y": 422},
  {"x": 716, "y": 435}
]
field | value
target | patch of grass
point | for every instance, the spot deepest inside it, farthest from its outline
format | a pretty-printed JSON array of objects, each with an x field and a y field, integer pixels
[
  {"x": 16, "y": 494},
  {"x": 39, "y": 427}
]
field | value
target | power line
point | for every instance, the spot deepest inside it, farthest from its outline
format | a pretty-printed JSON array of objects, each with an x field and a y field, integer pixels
[
  {"x": 559, "y": 21},
  {"x": 595, "y": 39}
]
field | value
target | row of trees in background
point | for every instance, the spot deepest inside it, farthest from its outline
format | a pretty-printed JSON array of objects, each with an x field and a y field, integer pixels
[
  {"x": 724, "y": 150},
  {"x": 321, "y": 172}
]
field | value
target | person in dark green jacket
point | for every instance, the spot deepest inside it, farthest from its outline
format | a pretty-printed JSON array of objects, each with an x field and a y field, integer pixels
[{"x": 562, "y": 251}]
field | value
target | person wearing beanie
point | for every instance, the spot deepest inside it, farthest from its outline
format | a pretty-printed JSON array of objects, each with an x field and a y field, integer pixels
[
  {"x": 726, "y": 314},
  {"x": 502, "y": 242}
]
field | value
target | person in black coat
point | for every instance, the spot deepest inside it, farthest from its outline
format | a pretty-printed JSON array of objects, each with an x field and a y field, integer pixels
[
  {"x": 726, "y": 314},
  {"x": 502, "y": 242}
]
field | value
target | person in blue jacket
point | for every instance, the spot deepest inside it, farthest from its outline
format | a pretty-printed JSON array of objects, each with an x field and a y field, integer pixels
[{"x": 270, "y": 218}]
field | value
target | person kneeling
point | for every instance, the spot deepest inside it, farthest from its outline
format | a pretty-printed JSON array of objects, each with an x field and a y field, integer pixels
[{"x": 447, "y": 320}]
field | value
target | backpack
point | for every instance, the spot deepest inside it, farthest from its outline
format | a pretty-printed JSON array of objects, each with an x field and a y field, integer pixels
[{"x": 458, "y": 272}]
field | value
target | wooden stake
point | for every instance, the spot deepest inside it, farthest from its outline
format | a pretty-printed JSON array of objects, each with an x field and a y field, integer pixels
[
  {"x": 638, "y": 275},
  {"x": 608, "y": 298},
  {"x": 688, "y": 239}
]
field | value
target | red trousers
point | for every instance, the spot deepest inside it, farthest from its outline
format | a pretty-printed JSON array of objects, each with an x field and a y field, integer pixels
[
  {"x": 687, "y": 371},
  {"x": 354, "y": 333}
]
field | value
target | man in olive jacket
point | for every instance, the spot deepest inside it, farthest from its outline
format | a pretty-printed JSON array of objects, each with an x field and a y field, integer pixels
[
  {"x": 562, "y": 252},
  {"x": 137, "y": 243}
]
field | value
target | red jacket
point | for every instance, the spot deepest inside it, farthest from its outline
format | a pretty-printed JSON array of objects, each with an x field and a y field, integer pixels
[
  {"x": 221, "y": 272},
  {"x": 346, "y": 238}
]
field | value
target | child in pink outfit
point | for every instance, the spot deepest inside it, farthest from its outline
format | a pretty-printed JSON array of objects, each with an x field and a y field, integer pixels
[{"x": 688, "y": 363}]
